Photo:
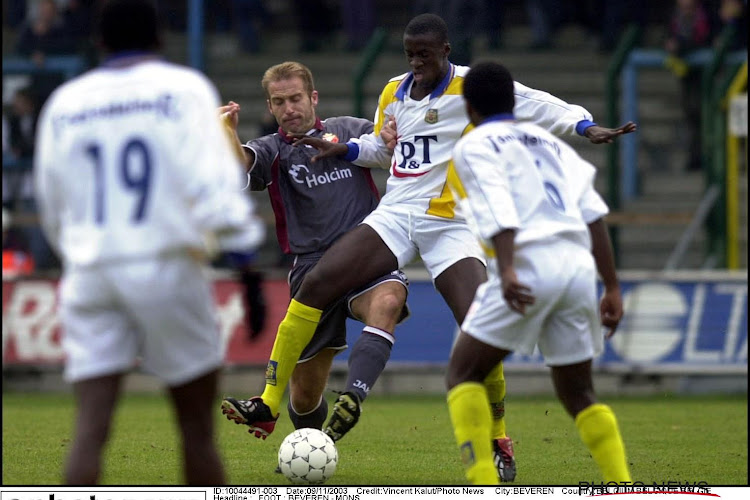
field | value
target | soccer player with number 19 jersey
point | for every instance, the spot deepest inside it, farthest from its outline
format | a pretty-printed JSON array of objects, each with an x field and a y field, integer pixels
[{"x": 132, "y": 171}]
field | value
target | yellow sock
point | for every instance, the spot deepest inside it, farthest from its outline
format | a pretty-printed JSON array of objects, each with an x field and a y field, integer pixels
[
  {"x": 597, "y": 426},
  {"x": 470, "y": 414},
  {"x": 495, "y": 385},
  {"x": 295, "y": 332}
]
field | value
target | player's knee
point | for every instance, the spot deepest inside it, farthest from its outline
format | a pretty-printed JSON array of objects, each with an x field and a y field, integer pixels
[{"x": 387, "y": 306}]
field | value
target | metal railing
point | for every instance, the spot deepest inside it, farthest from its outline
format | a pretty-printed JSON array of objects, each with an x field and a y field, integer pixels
[
  {"x": 369, "y": 56},
  {"x": 627, "y": 43}
]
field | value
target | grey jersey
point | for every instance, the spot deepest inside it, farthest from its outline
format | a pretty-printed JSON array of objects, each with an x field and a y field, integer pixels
[{"x": 314, "y": 203}]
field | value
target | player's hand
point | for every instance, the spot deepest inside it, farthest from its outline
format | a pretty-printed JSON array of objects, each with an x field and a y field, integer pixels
[
  {"x": 610, "y": 310},
  {"x": 230, "y": 115},
  {"x": 326, "y": 149},
  {"x": 604, "y": 135},
  {"x": 388, "y": 133},
  {"x": 516, "y": 294}
]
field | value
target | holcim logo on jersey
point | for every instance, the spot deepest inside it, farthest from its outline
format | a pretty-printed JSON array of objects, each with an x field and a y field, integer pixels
[{"x": 314, "y": 180}]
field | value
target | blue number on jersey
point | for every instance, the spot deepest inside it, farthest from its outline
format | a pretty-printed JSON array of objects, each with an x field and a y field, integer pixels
[
  {"x": 553, "y": 194},
  {"x": 138, "y": 182}
]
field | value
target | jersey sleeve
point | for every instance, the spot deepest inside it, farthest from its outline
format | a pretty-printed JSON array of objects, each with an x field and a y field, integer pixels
[
  {"x": 548, "y": 111},
  {"x": 265, "y": 151},
  {"x": 214, "y": 186},
  {"x": 486, "y": 186},
  {"x": 369, "y": 150}
]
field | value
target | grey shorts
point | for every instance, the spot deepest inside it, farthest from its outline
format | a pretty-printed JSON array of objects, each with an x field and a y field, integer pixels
[{"x": 331, "y": 331}]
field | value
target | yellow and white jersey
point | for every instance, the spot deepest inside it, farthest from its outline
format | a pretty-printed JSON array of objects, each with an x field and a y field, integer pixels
[
  {"x": 131, "y": 162},
  {"x": 428, "y": 130},
  {"x": 511, "y": 175}
]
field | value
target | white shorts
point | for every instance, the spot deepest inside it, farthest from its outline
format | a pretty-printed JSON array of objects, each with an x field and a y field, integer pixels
[
  {"x": 160, "y": 312},
  {"x": 563, "y": 321},
  {"x": 440, "y": 242}
]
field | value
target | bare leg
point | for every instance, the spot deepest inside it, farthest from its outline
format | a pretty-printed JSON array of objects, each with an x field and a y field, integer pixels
[
  {"x": 95, "y": 404},
  {"x": 459, "y": 283},
  {"x": 306, "y": 389},
  {"x": 194, "y": 402},
  {"x": 574, "y": 386},
  {"x": 357, "y": 258}
]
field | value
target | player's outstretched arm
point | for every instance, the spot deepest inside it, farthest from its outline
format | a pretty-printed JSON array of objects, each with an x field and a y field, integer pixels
[
  {"x": 604, "y": 135},
  {"x": 326, "y": 149},
  {"x": 230, "y": 119},
  {"x": 610, "y": 307}
]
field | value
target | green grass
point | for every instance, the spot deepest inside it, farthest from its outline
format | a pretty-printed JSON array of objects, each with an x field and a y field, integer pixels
[{"x": 400, "y": 440}]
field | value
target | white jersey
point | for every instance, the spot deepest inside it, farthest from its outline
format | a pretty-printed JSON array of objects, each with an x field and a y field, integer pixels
[
  {"x": 519, "y": 176},
  {"x": 131, "y": 162},
  {"x": 428, "y": 130}
]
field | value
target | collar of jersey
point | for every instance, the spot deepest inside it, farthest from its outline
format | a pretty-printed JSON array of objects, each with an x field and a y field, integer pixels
[
  {"x": 128, "y": 57},
  {"x": 289, "y": 139},
  {"x": 500, "y": 117},
  {"x": 406, "y": 83}
]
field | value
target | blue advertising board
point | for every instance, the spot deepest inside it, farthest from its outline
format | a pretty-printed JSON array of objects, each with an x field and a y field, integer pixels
[{"x": 679, "y": 325}]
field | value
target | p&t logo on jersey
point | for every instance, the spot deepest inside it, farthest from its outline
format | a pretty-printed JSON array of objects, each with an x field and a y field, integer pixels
[{"x": 431, "y": 116}]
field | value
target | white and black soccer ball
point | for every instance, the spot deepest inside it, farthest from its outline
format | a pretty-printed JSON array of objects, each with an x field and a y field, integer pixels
[{"x": 308, "y": 456}]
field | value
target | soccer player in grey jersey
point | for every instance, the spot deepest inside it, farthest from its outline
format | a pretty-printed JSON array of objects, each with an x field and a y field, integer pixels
[{"x": 314, "y": 204}]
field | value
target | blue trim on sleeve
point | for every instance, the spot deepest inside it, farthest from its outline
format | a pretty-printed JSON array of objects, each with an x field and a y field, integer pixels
[
  {"x": 583, "y": 125},
  {"x": 353, "y": 152}
]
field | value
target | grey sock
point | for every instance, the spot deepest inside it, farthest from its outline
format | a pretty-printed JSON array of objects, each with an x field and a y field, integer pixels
[{"x": 367, "y": 360}]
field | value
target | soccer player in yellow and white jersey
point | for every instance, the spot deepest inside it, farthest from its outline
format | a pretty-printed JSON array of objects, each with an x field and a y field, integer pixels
[
  {"x": 530, "y": 199},
  {"x": 417, "y": 216}
]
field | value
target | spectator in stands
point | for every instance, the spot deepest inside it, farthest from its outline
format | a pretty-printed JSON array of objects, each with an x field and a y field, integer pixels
[
  {"x": 544, "y": 18},
  {"x": 734, "y": 13},
  {"x": 22, "y": 123},
  {"x": 17, "y": 184},
  {"x": 44, "y": 34},
  {"x": 315, "y": 22},
  {"x": 78, "y": 17},
  {"x": 14, "y": 12},
  {"x": 492, "y": 18},
  {"x": 616, "y": 15},
  {"x": 689, "y": 29},
  {"x": 249, "y": 16},
  {"x": 358, "y": 18}
]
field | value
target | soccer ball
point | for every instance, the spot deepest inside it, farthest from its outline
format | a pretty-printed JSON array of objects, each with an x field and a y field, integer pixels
[{"x": 308, "y": 456}]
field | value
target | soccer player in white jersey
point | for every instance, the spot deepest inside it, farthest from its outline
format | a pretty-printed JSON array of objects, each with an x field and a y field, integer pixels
[
  {"x": 133, "y": 171},
  {"x": 416, "y": 216},
  {"x": 530, "y": 200}
]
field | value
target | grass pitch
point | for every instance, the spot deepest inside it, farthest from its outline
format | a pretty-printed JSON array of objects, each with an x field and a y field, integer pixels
[{"x": 404, "y": 440}]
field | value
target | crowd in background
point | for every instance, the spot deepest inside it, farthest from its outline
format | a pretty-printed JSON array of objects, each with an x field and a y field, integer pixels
[{"x": 46, "y": 28}]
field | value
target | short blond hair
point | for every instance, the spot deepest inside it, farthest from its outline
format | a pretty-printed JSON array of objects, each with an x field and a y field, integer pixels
[{"x": 285, "y": 71}]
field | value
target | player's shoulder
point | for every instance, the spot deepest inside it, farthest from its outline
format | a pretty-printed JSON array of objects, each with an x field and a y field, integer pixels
[
  {"x": 398, "y": 79},
  {"x": 346, "y": 121},
  {"x": 394, "y": 83},
  {"x": 460, "y": 71}
]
